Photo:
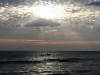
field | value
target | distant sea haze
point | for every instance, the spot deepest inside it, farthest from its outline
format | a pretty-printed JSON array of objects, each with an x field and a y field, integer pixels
[{"x": 49, "y": 63}]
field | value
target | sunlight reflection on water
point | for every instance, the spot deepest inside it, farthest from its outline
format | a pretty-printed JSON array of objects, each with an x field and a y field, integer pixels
[{"x": 50, "y": 63}]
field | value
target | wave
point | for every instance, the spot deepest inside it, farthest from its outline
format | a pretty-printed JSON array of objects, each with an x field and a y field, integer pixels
[
  {"x": 19, "y": 62},
  {"x": 15, "y": 73},
  {"x": 87, "y": 72},
  {"x": 75, "y": 72},
  {"x": 74, "y": 60},
  {"x": 36, "y": 73}
]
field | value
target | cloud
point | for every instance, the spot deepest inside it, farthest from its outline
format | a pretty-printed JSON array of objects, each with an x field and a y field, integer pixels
[
  {"x": 42, "y": 22},
  {"x": 96, "y": 3},
  {"x": 15, "y": 26},
  {"x": 11, "y": 1},
  {"x": 79, "y": 22},
  {"x": 16, "y": 2}
]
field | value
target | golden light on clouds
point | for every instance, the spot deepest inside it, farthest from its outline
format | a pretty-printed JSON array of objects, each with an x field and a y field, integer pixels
[{"x": 43, "y": 42}]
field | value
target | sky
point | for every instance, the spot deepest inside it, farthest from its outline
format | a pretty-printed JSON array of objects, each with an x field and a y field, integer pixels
[{"x": 50, "y": 25}]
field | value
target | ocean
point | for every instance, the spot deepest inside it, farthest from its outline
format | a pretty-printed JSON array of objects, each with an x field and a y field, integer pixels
[{"x": 49, "y": 63}]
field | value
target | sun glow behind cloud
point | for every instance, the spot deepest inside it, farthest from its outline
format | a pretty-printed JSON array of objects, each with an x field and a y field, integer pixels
[
  {"x": 66, "y": 13},
  {"x": 47, "y": 10}
]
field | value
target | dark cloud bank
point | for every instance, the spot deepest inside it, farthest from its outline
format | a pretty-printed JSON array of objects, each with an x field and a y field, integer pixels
[
  {"x": 42, "y": 22},
  {"x": 11, "y": 2},
  {"x": 96, "y": 3}
]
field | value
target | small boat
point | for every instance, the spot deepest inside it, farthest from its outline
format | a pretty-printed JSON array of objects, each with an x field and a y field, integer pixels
[{"x": 45, "y": 54}]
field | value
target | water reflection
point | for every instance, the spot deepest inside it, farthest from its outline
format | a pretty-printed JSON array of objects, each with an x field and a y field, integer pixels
[
  {"x": 47, "y": 66},
  {"x": 87, "y": 63}
]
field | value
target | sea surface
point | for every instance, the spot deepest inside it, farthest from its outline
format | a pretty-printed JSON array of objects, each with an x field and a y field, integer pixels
[{"x": 49, "y": 63}]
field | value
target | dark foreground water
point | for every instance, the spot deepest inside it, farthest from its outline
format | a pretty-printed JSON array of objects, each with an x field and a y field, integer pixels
[{"x": 49, "y": 63}]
